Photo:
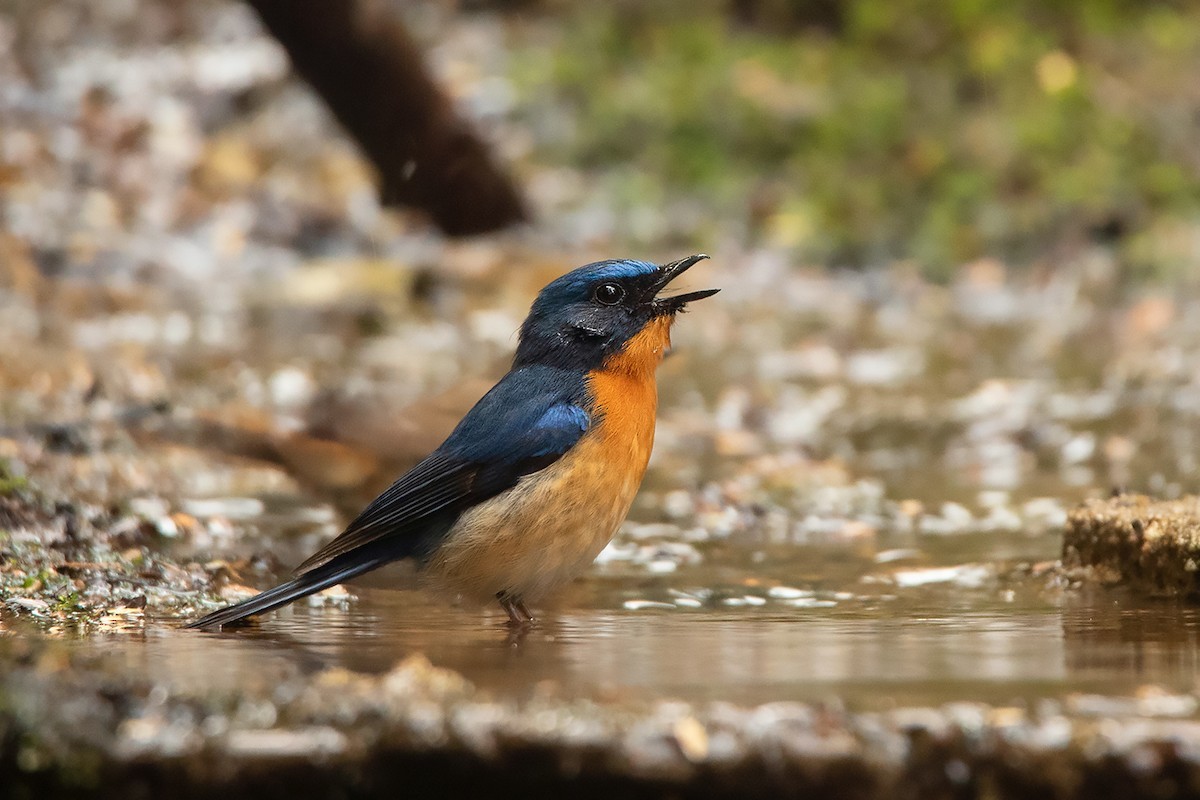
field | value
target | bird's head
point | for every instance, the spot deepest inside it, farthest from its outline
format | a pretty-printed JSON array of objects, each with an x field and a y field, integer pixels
[{"x": 605, "y": 315}]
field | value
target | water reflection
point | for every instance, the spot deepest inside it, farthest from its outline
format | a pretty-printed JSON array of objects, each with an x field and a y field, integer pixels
[{"x": 1151, "y": 641}]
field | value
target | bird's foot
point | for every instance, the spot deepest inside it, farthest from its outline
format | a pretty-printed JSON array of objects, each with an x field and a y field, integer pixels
[{"x": 518, "y": 615}]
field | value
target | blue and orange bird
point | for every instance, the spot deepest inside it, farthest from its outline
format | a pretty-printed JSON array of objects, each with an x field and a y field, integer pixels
[{"x": 537, "y": 477}]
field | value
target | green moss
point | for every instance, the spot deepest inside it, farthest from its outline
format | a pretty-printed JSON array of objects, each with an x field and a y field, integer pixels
[{"x": 11, "y": 483}]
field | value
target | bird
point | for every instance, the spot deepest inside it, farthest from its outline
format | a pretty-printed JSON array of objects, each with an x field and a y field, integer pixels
[{"x": 535, "y": 480}]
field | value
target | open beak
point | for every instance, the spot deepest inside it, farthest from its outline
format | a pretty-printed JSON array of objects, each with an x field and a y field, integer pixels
[{"x": 668, "y": 273}]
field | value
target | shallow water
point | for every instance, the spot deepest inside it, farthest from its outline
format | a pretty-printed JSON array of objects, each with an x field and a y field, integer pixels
[{"x": 869, "y": 643}]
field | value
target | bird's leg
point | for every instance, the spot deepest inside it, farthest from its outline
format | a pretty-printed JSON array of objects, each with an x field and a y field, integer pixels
[
  {"x": 518, "y": 614},
  {"x": 514, "y": 616}
]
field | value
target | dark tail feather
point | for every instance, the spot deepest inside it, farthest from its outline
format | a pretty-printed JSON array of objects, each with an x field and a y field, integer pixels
[{"x": 309, "y": 583}]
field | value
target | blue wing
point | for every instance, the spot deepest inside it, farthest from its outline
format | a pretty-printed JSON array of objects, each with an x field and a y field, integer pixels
[{"x": 525, "y": 423}]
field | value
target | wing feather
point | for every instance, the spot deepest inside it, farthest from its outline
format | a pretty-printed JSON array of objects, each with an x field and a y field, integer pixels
[{"x": 531, "y": 436}]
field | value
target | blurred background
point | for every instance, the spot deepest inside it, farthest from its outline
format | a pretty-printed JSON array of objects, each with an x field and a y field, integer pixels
[
  {"x": 848, "y": 133},
  {"x": 956, "y": 240}
]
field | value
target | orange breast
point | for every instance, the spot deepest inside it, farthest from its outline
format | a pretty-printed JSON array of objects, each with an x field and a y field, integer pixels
[
  {"x": 553, "y": 524},
  {"x": 625, "y": 406},
  {"x": 625, "y": 399}
]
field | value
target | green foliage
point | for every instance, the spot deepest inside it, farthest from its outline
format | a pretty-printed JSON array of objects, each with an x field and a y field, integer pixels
[
  {"x": 66, "y": 602},
  {"x": 909, "y": 128},
  {"x": 11, "y": 483}
]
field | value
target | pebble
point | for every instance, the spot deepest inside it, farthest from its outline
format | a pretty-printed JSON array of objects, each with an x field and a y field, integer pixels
[
  {"x": 678, "y": 504},
  {"x": 333, "y": 596},
  {"x": 897, "y": 554},
  {"x": 692, "y": 738},
  {"x": 640, "y": 605},
  {"x": 1045, "y": 511},
  {"x": 298, "y": 743},
  {"x": 29, "y": 603},
  {"x": 233, "y": 508},
  {"x": 151, "y": 508},
  {"x": 809, "y": 602},
  {"x": 291, "y": 387},
  {"x": 957, "y": 515},
  {"x": 787, "y": 592},
  {"x": 965, "y": 575},
  {"x": 167, "y": 527}
]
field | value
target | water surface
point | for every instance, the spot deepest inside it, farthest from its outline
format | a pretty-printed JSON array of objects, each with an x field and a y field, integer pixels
[{"x": 861, "y": 639}]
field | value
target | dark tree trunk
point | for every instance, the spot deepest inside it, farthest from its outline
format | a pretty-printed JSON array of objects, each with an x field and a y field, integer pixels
[{"x": 363, "y": 63}]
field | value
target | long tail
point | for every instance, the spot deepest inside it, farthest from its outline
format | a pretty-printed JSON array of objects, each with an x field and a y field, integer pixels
[{"x": 301, "y": 586}]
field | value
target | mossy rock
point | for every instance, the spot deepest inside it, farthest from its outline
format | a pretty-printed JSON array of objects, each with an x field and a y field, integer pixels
[{"x": 1151, "y": 546}]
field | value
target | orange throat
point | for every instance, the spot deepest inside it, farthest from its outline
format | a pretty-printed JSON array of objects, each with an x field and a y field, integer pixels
[
  {"x": 642, "y": 354},
  {"x": 626, "y": 395}
]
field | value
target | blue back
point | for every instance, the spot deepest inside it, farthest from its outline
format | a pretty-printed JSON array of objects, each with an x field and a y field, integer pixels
[{"x": 532, "y": 411}]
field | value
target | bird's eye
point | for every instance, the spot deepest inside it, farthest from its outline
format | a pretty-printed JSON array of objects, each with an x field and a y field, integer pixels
[{"x": 609, "y": 294}]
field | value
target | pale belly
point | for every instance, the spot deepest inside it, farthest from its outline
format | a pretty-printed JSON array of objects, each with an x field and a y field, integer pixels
[{"x": 550, "y": 527}]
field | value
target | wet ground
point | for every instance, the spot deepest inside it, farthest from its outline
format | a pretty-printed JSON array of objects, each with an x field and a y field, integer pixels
[{"x": 856, "y": 498}]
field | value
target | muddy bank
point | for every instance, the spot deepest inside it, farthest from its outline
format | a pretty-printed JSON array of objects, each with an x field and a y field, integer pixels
[
  {"x": 417, "y": 726},
  {"x": 73, "y": 567}
]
